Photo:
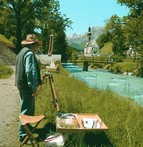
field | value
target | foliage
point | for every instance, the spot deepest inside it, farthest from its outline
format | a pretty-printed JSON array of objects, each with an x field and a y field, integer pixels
[
  {"x": 122, "y": 116},
  {"x": 78, "y": 46},
  {"x": 106, "y": 49},
  {"x": 40, "y": 17},
  {"x": 5, "y": 72},
  {"x": 114, "y": 26},
  {"x": 126, "y": 31},
  {"x": 102, "y": 39},
  {"x": 125, "y": 67},
  {"x": 4, "y": 40},
  {"x": 69, "y": 51}
]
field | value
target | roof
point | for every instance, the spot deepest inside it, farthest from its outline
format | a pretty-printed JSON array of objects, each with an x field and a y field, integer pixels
[{"x": 92, "y": 43}]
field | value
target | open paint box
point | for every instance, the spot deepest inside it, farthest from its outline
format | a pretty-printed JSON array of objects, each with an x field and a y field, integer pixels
[{"x": 71, "y": 122}]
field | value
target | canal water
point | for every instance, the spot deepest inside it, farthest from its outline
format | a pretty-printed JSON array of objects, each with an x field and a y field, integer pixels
[{"x": 123, "y": 85}]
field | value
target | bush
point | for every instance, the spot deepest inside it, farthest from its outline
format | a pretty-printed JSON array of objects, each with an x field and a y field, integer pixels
[{"x": 122, "y": 67}]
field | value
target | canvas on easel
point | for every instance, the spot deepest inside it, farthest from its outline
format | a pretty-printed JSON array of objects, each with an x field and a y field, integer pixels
[{"x": 50, "y": 62}]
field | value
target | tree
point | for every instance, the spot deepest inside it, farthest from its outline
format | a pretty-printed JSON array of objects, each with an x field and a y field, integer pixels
[
  {"x": 103, "y": 38},
  {"x": 21, "y": 14},
  {"x": 134, "y": 24},
  {"x": 28, "y": 16},
  {"x": 127, "y": 30},
  {"x": 57, "y": 27},
  {"x": 55, "y": 24},
  {"x": 114, "y": 27}
]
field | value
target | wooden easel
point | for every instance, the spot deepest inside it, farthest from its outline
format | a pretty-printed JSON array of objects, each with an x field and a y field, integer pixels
[
  {"x": 49, "y": 76},
  {"x": 51, "y": 44}
]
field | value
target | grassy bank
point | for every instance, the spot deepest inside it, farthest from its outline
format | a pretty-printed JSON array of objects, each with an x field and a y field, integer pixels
[
  {"x": 122, "y": 116},
  {"x": 5, "y": 72}
]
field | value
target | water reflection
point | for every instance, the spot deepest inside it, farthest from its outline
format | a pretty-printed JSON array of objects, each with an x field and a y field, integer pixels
[{"x": 124, "y": 85}]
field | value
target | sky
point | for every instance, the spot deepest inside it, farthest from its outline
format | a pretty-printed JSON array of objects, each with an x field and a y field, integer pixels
[{"x": 85, "y": 13}]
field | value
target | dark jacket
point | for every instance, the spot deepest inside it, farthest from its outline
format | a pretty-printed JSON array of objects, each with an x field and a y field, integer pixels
[{"x": 20, "y": 76}]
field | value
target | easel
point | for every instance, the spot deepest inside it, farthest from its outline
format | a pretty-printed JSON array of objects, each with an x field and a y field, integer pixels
[
  {"x": 49, "y": 76},
  {"x": 51, "y": 44}
]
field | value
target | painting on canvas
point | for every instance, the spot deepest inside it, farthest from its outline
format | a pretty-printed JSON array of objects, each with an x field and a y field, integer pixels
[{"x": 51, "y": 63}]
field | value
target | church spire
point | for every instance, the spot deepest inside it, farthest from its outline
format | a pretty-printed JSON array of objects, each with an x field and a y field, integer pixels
[{"x": 89, "y": 33}]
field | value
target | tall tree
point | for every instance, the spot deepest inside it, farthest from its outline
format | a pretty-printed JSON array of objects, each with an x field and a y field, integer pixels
[
  {"x": 134, "y": 25},
  {"x": 21, "y": 13},
  {"x": 115, "y": 28},
  {"x": 128, "y": 30},
  {"x": 51, "y": 21},
  {"x": 30, "y": 15},
  {"x": 103, "y": 38}
]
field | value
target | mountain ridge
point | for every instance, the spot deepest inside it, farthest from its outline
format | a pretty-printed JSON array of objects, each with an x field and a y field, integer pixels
[{"x": 79, "y": 41}]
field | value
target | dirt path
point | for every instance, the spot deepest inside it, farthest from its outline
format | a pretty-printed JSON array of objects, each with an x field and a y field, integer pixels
[{"x": 9, "y": 111}]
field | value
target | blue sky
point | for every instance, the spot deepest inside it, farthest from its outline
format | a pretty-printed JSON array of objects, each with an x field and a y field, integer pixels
[{"x": 85, "y": 13}]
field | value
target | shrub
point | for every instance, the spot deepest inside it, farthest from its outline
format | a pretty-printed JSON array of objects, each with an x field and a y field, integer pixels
[{"x": 122, "y": 67}]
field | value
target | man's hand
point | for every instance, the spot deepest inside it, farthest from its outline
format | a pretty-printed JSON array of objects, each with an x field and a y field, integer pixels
[
  {"x": 34, "y": 93},
  {"x": 38, "y": 88}
]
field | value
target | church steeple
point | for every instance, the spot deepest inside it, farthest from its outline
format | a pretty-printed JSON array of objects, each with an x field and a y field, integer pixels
[{"x": 89, "y": 34}]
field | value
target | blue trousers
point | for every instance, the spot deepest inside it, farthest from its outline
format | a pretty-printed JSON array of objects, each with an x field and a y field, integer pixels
[{"x": 27, "y": 107}]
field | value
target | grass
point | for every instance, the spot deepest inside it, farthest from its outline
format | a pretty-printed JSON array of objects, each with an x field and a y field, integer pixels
[
  {"x": 107, "y": 49},
  {"x": 5, "y": 72},
  {"x": 6, "y": 41},
  {"x": 126, "y": 66},
  {"x": 122, "y": 116}
]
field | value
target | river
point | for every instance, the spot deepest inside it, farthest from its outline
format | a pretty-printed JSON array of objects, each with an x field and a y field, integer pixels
[{"x": 123, "y": 85}]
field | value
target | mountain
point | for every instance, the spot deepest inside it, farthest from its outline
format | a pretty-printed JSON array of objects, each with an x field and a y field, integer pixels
[{"x": 79, "y": 41}]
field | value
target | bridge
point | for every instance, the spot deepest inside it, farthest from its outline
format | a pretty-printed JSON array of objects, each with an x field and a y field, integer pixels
[{"x": 91, "y": 61}]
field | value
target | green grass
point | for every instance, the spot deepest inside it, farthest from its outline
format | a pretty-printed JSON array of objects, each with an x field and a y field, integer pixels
[
  {"x": 6, "y": 41},
  {"x": 107, "y": 49},
  {"x": 121, "y": 115},
  {"x": 126, "y": 66},
  {"x": 5, "y": 72}
]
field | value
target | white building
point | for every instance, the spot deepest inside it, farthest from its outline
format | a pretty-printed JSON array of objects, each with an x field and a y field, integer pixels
[{"x": 91, "y": 48}]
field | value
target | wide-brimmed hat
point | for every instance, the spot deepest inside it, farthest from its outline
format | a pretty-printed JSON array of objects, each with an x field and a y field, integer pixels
[{"x": 31, "y": 38}]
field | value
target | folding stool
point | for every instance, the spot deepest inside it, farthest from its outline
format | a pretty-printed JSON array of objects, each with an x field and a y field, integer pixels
[{"x": 25, "y": 119}]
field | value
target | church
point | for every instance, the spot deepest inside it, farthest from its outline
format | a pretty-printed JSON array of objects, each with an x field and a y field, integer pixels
[{"x": 91, "y": 47}]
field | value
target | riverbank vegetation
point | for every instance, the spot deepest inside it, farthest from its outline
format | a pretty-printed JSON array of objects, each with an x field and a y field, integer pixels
[
  {"x": 122, "y": 116},
  {"x": 125, "y": 65}
]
